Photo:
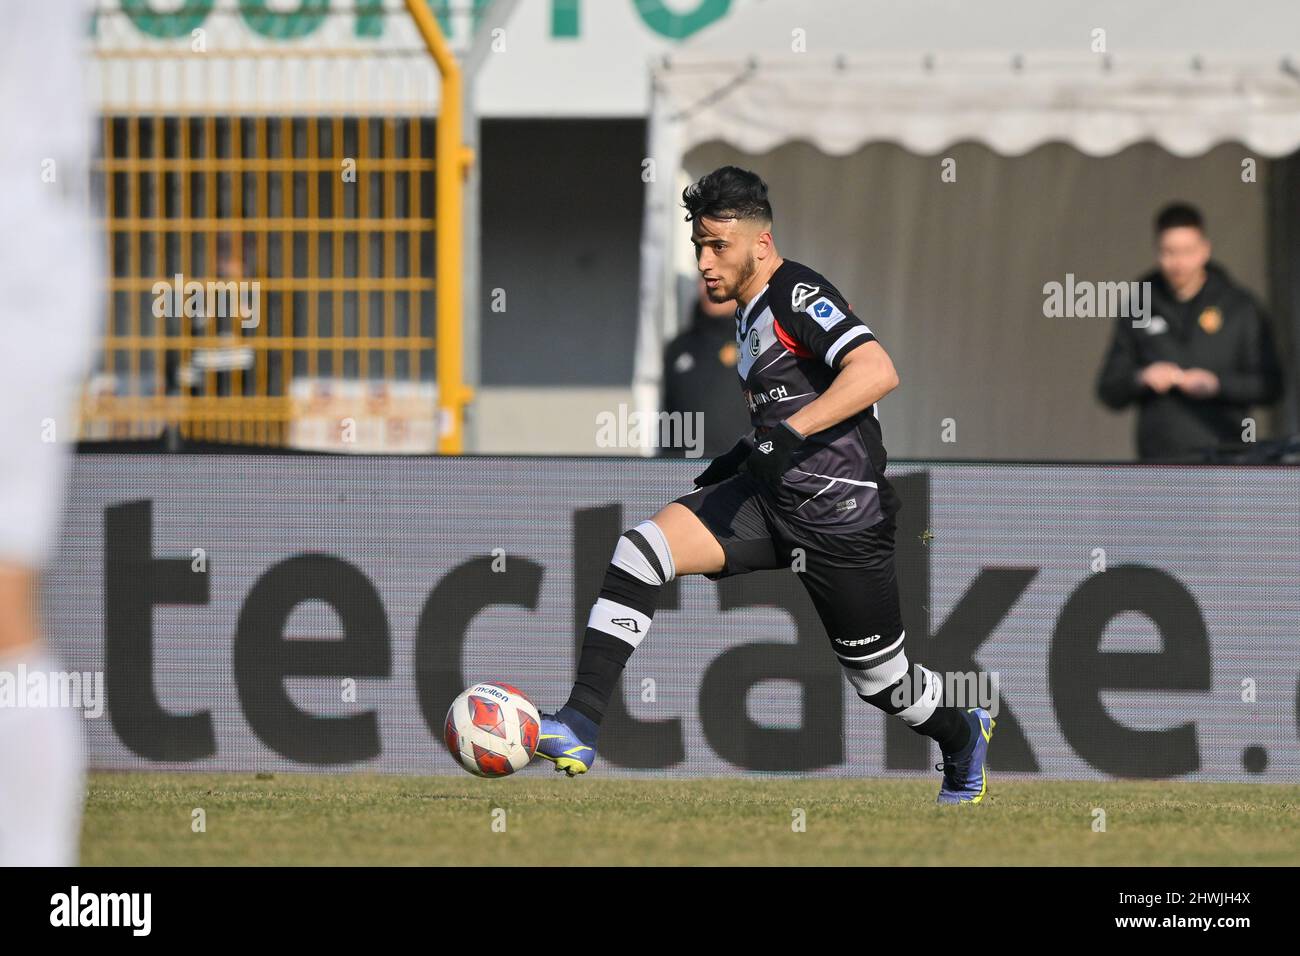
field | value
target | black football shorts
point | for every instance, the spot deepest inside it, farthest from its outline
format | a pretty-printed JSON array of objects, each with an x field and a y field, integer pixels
[{"x": 850, "y": 577}]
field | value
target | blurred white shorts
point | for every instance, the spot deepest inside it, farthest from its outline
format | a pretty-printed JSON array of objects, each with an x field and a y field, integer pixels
[{"x": 51, "y": 292}]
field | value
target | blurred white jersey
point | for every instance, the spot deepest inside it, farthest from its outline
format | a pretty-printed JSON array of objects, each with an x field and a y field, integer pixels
[{"x": 51, "y": 292}]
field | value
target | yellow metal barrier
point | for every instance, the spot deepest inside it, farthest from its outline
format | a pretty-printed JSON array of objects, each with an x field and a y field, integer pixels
[
  {"x": 453, "y": 161},
  {"x": 250, "y": 247}
]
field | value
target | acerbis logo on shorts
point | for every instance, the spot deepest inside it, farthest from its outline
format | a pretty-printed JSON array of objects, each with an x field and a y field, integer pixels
[
  {"x": 858, "y": 643},
  {"x": 766, "y": 448}
]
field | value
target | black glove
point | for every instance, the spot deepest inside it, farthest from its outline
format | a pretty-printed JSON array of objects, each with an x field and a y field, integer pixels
[
  {"x": 772, "y": 454},
  {"x": 726, "y": 464}
]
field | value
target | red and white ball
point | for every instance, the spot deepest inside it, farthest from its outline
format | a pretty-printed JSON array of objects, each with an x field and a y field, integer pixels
[{"x": 492, "y": 729}]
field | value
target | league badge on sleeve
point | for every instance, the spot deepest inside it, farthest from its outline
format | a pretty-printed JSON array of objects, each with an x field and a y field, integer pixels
[{"x": 825, "y": 313}]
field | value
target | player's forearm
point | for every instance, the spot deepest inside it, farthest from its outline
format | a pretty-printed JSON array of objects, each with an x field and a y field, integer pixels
[{"x": 866, "y": 376}]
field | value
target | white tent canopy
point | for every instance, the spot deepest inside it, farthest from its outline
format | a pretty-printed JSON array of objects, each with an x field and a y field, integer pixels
[
  {"x": 1012, "y": 103},
  {"x": 927, "y": 74}
]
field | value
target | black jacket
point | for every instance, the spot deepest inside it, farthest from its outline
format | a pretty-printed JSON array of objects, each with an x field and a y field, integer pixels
[
  {"x": 700, "y": 376},
  {"x": 1220, "y": 329}
]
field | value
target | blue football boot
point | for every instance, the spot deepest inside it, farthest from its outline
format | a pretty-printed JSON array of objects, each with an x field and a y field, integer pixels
[
  {"x": 964, "y": 777},
  {"x": 561, "y": 744}
]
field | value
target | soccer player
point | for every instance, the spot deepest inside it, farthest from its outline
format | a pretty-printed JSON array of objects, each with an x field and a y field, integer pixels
[
  {"x": 49, "y": 289},
  {"x": 810, "y": 475}
]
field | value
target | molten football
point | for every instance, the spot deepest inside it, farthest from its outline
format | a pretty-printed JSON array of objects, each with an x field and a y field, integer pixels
[{"x": 492, "y": 729}]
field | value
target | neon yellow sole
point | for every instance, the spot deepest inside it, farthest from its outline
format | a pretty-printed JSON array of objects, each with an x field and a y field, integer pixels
[{"x": 568, "y": 764}]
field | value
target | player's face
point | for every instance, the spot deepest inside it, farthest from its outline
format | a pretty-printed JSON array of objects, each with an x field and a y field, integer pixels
[
  {"x": 1183, "y": 252},
  {"x": 724, "y": 253}
]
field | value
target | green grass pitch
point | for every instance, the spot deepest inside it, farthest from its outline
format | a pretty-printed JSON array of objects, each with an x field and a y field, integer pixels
[{"x": 545, "y": 818}]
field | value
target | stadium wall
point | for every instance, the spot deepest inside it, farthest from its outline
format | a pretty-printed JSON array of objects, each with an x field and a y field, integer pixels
[{"x": 315, "y": 613}]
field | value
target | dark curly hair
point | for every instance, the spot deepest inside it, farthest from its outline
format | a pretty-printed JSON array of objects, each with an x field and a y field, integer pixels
[{"x": 728, "y": 192}]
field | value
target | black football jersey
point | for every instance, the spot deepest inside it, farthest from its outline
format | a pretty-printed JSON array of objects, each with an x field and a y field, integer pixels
[{"x": 791, "y": 337}]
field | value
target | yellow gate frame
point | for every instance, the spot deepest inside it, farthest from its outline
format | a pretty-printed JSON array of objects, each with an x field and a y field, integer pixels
[{"x": 452, "y": 161}]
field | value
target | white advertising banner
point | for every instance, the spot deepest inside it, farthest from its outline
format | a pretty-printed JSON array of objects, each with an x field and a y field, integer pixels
[{"x": 319, "y": 613}]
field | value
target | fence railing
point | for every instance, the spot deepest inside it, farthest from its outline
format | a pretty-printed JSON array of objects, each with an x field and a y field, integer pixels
[{"x": 282, "y": 222}]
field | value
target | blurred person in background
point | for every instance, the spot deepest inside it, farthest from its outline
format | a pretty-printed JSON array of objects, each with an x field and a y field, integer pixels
[
  {"x": 49, "y": 289},
  {"x": 700, "y": 375},
  {"x": 1205, "y": 356},
  {"x": 189, "y": 378}
]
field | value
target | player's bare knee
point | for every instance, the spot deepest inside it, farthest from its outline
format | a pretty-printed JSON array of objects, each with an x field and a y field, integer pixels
[{"x": 692, "y": 545}]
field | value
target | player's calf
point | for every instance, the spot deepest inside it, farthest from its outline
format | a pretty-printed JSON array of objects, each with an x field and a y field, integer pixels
[
  {"x": 642, "y": 564},
  {"x": 914, "y": 694}
]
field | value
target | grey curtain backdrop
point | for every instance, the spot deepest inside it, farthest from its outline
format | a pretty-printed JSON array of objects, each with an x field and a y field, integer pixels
[{"x": 950, "y": 275}]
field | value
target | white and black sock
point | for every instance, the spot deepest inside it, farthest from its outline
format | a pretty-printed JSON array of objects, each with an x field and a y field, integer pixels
[
  {"x": 619, "y": 620},
  {"x": 913, "y": 694}
]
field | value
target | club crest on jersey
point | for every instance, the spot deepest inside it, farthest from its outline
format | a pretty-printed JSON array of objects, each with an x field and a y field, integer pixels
[
  {"x": 801, "y": 293},
  {"x": 754, "y": 345}
]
